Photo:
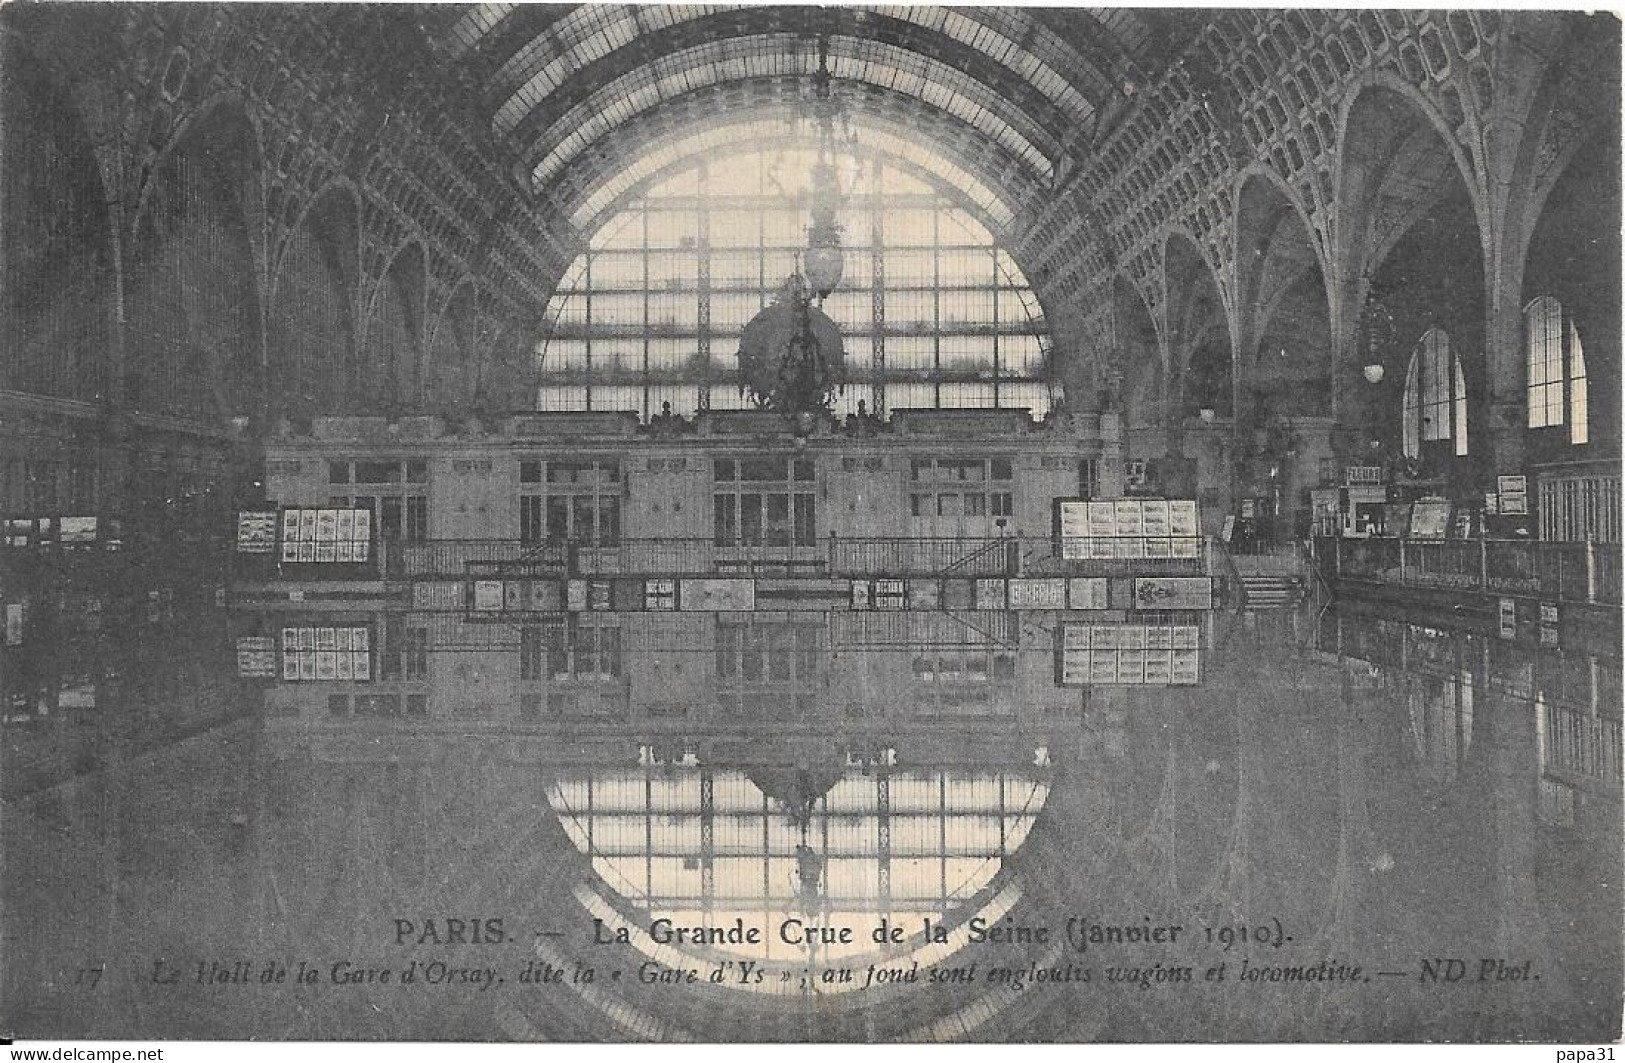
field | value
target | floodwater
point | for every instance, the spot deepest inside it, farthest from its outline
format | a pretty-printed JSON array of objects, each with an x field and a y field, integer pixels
[{"x": 1312, "y": 825}]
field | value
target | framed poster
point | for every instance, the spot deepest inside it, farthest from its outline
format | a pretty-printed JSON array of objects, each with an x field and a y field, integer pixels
[
  {"x": 256, "y": 532},
  {"x": 1087, "y": 593},
  {"x": 1173, "y": 592},
  {"x": 1102, "y": 519},
  {"x": 1430, "y": 518},
  {"x": 1072, "y": 517},
  {"x": 924, "y": 594},
  {"x": 78, "y": 530},
  {"x": 1071, "y": 527},
  {"x": 1130, "y": 517},
  {"x": 320, "y": 653},
  {"x": 723, "y": 595},
  {"x": 1126, "y": 654},
  {"x": 1038, "y": 594},
  {"x": 1183, "y": 517},
  {"x": 1514, "y": 492},
  {"x": 325, "y": 535},
  {"x": 1154, "y": 516},
  {"x": 488, "y": 596}
]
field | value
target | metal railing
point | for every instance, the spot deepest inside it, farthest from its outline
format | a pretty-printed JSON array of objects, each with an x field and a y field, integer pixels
[
  {"x": 923, "y": 557},
  {"x": 694, "y": 557},
  {"x": 1558, "y": 571},
  {"x": 449, "y": 557},
  {"x": 1444, "y": 564},
  {"x": 1582, "y": 745},
  {"x": 1235, "y": 592},
  {"x": 833, "y": 556}
]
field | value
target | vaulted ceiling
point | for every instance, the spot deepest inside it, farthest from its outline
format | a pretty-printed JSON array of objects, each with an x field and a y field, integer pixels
[{"x": 1015, "y": 96}]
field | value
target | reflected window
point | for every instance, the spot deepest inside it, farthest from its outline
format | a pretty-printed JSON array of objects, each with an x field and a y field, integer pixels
[
  {"x": 964, "y": 681},
  {"x": 769, "y": 671},
  {"x": 570, "y": 651},
  {"x": 702, "y": 849},
  {"x": 394, "y": 491}
]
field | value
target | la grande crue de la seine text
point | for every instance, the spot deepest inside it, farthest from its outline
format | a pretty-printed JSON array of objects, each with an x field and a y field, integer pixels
[{"x": 1080, "y": 933}]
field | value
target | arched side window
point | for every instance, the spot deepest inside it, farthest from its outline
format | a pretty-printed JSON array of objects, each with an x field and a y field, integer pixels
[
  {"x": 1555, "y": 368},
  {"x": 1435, "y": 403}
]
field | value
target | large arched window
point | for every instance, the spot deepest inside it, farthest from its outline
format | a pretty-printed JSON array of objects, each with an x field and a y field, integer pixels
[
  {"x": 1555, "y": 364},
  {"x": 933, "y": 312},
  {"x": 1435, "y": 404}
]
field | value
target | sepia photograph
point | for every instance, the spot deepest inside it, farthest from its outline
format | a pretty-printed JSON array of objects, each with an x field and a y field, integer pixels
[{"x": 600, "y": 524}]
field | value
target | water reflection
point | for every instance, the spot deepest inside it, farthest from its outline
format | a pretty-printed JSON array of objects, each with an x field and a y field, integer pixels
[
  {"x": 292, "y": 783},
  {"x": 811, "y": 862}
]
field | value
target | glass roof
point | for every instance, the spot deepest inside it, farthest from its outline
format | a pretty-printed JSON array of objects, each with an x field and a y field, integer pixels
[
  {"x": 589, "y": 33},
  {"x": 786, "y": 55},
  {"x": 478, "y": 21},
  {"x": 586, "y": 34},
  {"x": 882, "y": 138},
  {"x": 1009, "y": 36}
]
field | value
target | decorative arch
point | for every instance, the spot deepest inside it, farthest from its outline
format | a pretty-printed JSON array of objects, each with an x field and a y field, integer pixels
[
  {"x": 1196, "y": 319},
  {"x": 1140, "y": 362},
  {"x": 1575, "y": 262},
  {"x": 1354, "y": 134},
  {"x": 453, "y": 350},
  {"x": 1397, "y": 161},
  {"x": 1283, "y": 326},
  {"x": 1556, "y": 137},
  {"x": 337, "y": 187},
  {"x": 195, "y": 332},
  {"x": 1410, "y": 257},
  {"x": 392, "y": 345},
  {"x": 1247, "y": 181},
  {"x": 58, "y": 291},
  {"x": 311, "y": 328}
]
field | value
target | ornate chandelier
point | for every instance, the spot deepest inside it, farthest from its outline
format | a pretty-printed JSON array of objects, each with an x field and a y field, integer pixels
[
  {"x": 791, "y": 357},
  {"x": 824, "y": 259}
]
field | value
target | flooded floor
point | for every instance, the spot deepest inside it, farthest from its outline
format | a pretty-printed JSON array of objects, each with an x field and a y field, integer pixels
[{"x": 1286, "y": 825}]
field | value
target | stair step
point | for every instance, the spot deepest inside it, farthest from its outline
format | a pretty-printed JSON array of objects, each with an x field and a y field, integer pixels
[{"x": 1271, "y": 592}]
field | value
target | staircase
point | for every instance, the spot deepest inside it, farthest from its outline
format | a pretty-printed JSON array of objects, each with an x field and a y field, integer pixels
[
  {"x": 1278, "y": 579},
  {"x": 1260, "y": 591}
]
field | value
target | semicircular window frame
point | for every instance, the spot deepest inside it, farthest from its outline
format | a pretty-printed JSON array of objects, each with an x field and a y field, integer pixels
[{"x": 651, "y": 311}]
